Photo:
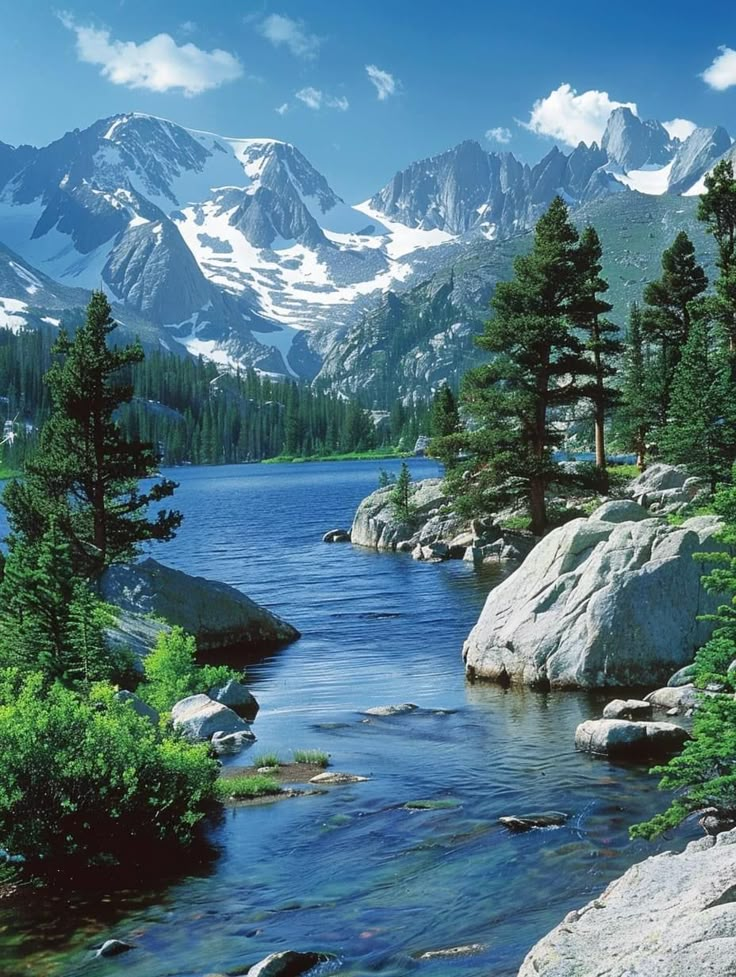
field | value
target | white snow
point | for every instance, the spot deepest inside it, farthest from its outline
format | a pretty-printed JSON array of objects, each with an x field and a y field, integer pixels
[
  {"x": 697, "y": 188},
  {"x": 651, "y": 180},
  {"x": 51, "y": 320},
  {"x": 403, "y": 240},
  {"x": 11, "y": 314},
  {"x": 33, "y": 284}
]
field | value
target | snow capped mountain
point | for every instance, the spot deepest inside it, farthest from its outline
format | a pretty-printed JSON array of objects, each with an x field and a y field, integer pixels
[{"x": 239, "y": 250}]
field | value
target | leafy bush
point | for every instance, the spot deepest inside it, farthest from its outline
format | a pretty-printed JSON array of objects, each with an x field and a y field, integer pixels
[
  {"x": 172, "y": 672},
  {"x": 85, "y": 776}
]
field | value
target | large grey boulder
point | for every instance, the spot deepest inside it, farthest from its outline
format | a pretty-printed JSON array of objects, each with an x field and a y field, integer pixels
[
  {"x": 151, "y": 596},
  {"x": 676, "y": 700},
  {"x": 237, "y": 697},
  {"x": 625, "y": 740},
  {"x": 666, "y": 487},
  {"x": 375, "y": 523},
  {"x": 668, "y": 916},
  {"x": 596, "y": 604},
  {"x": 627, "y": 709},
  {"x": 198, "y": 717}
]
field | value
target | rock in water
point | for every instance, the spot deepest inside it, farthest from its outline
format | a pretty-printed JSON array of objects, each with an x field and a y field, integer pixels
[
  {"x": 669, "y": 916},
  {"x": 683, "y": 698},
  {"x": 336, "y": 536},
  {"x": 397, "y": 710},
  {"x": 113, "y": 948},
  {"x": 287, "y": 963},
  {"x": 598, "y": 603},
  {"x": 625, "y": 740},
  {"x": 335, "y": 777},
  {"x": 237, "y": 697},
  {"x": 218, "y": 616},
  {"x": 376, "y": 525},
  {"x": 200, "y": 717},
  {"x": 525, "y": 822},
  {"x": 627, "y": 709}
]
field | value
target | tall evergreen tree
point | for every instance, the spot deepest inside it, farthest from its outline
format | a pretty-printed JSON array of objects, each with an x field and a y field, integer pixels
[
  {"x": 85, "y": 473},
  {"x": 537, "y": 359},
  {"x": 701, "y": 425},
  {"x": 638, "y": 412},
  {"x": 444, "y": 424},
  {"x": 717, "y": 209},
  {"x": 589, "y": 312},
  {"x": 668, "y": 309}
]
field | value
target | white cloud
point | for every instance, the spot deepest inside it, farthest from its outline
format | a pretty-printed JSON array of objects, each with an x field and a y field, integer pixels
[
  {"x": 721, "y": 74},
  {"x": 315, "y": 99},
  {"x": 680, "y": 128},
  {"x": 499, "y": 134},
  {"x": 573, "y": 118},
  {"x": 385, "y": 83},
  {"x": 280, "y": 29},
  {"x": 283, "y": 108},
  {"x": 158, "y": 64}
]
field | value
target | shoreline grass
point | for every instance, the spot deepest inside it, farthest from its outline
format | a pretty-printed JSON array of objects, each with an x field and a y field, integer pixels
[
  {"x": 246, "y": 786},
  {"x": 314, "y": 758}
]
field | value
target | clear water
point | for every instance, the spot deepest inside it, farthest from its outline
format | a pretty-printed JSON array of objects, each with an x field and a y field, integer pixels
[{"x": 353, "y": 872}]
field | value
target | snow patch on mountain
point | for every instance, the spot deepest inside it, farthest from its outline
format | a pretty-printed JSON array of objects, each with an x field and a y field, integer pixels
[
  {"x": 652, "y": 180},
  {"x": 11, "y": 314}
]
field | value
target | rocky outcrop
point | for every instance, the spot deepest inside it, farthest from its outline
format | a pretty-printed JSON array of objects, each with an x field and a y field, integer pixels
[
  {"x": 376, "y": 524},
  {"x": 598, "y": 603},
  {"x": 627, "y": 709},
  {"x": 669, "y": 916},
  {"x": 622, "y": 739},
  {"x": 666, "y": 488},
  {"x": 200, "y": 718},
  {"x": 151, "y": 596}
]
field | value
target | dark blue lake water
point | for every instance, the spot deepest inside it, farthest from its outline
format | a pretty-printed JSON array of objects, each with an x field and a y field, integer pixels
[{"x": 354, "y": 872}]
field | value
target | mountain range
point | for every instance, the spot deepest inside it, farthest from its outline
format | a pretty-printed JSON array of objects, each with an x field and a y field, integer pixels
[{"x": 239, "y": 250}]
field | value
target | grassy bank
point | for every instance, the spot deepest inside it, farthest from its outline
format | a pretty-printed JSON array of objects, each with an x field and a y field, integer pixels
[
  {"x": 7, "y": 473},
  {"x": 377, "y": 454}
]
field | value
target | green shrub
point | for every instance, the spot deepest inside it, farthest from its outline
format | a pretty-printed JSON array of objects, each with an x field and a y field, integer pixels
[
  {"x": 172, "y": 672},
  {"x": 85, "y": 776},
  {"x": 248, "y": 785},
  {"x": 267, "y": 760},
  {"x": 315, "y": 757}
]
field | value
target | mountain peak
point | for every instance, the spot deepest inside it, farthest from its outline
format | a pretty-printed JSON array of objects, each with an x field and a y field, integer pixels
[{"x": 633, "y": 144}]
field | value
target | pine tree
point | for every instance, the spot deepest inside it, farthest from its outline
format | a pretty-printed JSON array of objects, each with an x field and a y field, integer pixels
[
  {"x": 400, "y": 497},
  {"x": 85, "y": 473},
  {"x": 537, "y": 358},
  {"x": 668, "y": 309},
  {"x": 638, "y": 407},
  {"x": 589, "y": 312},
  {"x": 701, "y": 425},
  {"x": 717, "y": 209},
  {"x": 444, "y": 426}
]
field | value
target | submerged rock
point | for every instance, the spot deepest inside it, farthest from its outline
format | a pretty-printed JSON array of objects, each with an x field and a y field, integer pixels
[
  {"x": 668, "y": 916},
  {"x": 287, "y": 963},
  {"x": 335, "y": 777},
  {"x": 113, "y": 948},
  {"x": 149, "y": 593},
  {"x": 336, "y": 536},
  {"x": 397, "y": 710},
  {"x": 625, "y": 740},
  {"x": 598, "y": 603},
  {"x": 525, "y": 822},
  {"x": 450, "y": 952},
  {"x": 200, "y": 717},
  {"x": 226, "y": 743}
]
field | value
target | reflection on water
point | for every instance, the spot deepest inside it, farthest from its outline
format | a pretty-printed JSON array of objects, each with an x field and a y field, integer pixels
[{"x": 353, "y": 871}]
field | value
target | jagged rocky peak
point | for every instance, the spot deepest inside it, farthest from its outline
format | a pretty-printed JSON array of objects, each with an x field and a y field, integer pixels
[
  {"x": 696, "y": 155},
  {"x": 633, "y": 144}
]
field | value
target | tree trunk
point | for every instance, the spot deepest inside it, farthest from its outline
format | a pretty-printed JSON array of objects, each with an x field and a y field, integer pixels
[{"x": 537, "y": 505}]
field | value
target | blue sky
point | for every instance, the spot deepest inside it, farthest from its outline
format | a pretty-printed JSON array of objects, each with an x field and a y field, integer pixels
[{"x": 363, "y": 87}]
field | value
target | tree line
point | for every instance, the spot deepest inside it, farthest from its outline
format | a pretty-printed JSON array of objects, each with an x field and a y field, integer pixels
[
  {"x": 196, "y": 412},
  {"x": 668, "y": 391}
]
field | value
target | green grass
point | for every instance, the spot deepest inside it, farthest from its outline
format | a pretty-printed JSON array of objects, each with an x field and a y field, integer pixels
[
  {"x": 376, "y": 454},
  {"x": 7, "y": 473},
  {"x": 267, "y": 760},
  {"x": 315, "y": 757},
  {"x": 246, "y": 786}
]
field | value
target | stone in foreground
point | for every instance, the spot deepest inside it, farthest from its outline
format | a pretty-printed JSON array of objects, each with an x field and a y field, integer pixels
[
  {"x": 598, "y": 603},
  {"x": 336, "y": 536},
  {"x": 669, "y": 916},
  {"x": 200, "y": 717},
  {"x": 622, "y": 739},
  {"x": 525, "y": 822},
  {"x": 627, "y": 709},
  {"x": 218, "y": 615},
  {"x": 113, "y": 948}
]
